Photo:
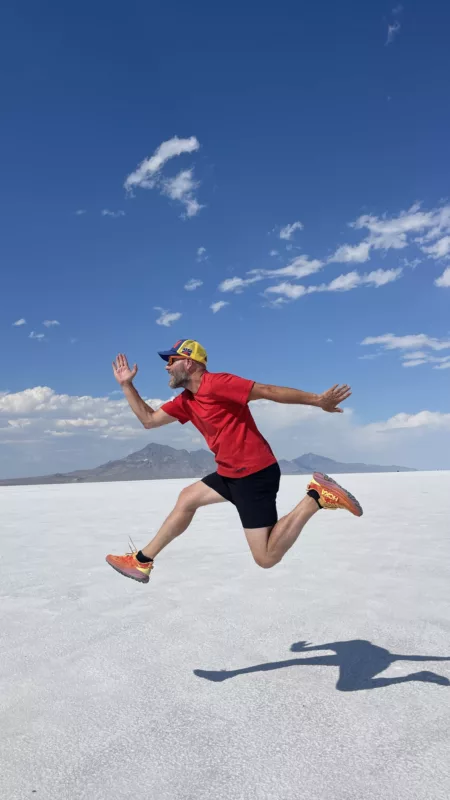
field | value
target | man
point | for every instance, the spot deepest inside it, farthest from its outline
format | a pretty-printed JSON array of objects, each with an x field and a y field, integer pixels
[{"x": 247, "y": 474}]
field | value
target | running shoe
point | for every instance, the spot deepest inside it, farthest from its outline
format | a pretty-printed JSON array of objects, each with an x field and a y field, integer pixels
[{"x": 333, "y": 496}]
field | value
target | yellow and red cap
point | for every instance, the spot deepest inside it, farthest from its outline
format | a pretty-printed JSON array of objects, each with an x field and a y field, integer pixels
[{"x": 188, "y": 348}]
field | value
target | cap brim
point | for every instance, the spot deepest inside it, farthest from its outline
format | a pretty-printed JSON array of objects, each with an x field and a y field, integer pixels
[{"x": 165, "y": 354}]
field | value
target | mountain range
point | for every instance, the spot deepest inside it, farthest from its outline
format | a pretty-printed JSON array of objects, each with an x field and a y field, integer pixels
[{"x": 161, "y": 461}]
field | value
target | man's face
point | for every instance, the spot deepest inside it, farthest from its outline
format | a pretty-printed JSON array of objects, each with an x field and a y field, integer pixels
[{"x": 179, "y": 373}]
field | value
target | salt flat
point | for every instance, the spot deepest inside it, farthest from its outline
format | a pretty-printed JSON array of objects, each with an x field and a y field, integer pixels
[{"x": 198, "y": 684}]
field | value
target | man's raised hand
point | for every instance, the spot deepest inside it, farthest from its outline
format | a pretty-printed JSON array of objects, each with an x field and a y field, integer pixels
[
  {"x": 329, "y": 400},
  {"x": 122, "y": 372}
]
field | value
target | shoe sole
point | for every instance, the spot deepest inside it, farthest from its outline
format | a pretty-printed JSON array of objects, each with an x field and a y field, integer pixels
[
  {"x": 144, "y": 579},
  {"x": 346, "y": 497}
]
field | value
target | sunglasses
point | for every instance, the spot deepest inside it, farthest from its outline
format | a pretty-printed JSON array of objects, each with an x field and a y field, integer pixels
[{"x": 171, "y": 360}]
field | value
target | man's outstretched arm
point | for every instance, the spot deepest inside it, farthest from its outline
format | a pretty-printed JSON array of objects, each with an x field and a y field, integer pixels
[
  {"x": 145, "y": 414},
  {"x": 327, "y": 401}
]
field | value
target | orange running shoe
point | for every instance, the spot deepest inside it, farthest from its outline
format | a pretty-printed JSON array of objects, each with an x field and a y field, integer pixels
[
  {"x": 333, "y": 496},
  {"x": 129, "y": 566}
]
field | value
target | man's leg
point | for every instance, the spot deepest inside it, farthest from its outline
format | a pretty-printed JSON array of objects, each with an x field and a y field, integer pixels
[
  {"x": 269, "y": 545},
  {"x": 139, "y": 565},
  {"x": 189, "y": 500}
]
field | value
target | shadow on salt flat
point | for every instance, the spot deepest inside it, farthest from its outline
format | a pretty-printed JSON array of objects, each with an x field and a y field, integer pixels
[{"x": 359, "y": 661}]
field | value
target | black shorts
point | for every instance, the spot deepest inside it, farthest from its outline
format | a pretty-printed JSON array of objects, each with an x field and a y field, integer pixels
[{"x": 255, "y": 495}]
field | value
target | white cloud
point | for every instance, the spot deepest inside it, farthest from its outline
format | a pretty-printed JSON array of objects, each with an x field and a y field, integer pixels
[
  {"x": 144, "y": 176},
  {"x": 19, "y": 322},
  {"x": 80, "y": 212},
  {"x": 115, "y": 214},
  {"x": 440, "y": 249},
  {"x": 236, "y": 284},
  {"x": 51, "y": 323},
  {"x": 380, "y": 277},
  {"x": 397, "y": 9},
  {"x": 38, "y": 336},
  {"x": 82, "y": 423},
  {"x": 215, "y": 307},
  {"x": 192, "y": 284},
  {"x": 414, "y": 362},
  {"x": 291, "y": 290},
  {"x": 410, "y": 355},
  {"x": 202, "y": 254},
  {"x": 352, "y": 253},
  {"x": 98, "y": 429},
  {"x": 411, "y": 263},
  {"x": 343, "y": 283},
  {"x": 386, "y": 233},
  {"x": 167, "y": 318},
  {"x": 444, "y": 279},
  {"x": 181, "y": 188},
  {"x": 392, "y": 31},
  {"x": 410, "y": 342},
  {"x": 423, "y": 419},
  {"x": 417, "y": 358},
  {"x": 300, "y": 267},
  {"x": 288, "y": 231},
  {"x": 274, "y": 253}
]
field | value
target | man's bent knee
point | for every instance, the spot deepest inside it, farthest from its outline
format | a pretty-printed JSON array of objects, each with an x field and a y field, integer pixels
[
  {"x": 266, "y": 562},
  {"x": 187, "y": 500}
]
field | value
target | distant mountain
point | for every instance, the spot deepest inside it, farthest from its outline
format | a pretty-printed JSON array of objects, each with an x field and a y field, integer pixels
[
  {"x": 161, "y": 461},
  {"x": 313, "y": 463}
]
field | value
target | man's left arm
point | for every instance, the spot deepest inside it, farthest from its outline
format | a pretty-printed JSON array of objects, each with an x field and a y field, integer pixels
[{"x": 327, "y": 401}]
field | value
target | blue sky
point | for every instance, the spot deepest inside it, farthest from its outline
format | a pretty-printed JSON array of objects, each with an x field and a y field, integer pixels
[{"x": 295, "y": 145}]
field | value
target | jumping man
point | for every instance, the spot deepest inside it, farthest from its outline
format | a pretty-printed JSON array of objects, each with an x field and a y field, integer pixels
[{"x": 247, "y": 474}]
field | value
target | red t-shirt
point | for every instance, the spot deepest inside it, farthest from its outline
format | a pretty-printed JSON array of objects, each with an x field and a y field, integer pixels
[{"x": 220, "y": 412}]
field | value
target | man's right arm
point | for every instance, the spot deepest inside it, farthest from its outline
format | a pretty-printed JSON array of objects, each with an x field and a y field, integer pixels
[
  {"x": 145, "y": 414},
  {"x": 124, "y": 376}
]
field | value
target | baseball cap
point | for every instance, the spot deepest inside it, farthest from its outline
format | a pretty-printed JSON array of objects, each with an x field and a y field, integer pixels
[{"x": 188, "y": 348}]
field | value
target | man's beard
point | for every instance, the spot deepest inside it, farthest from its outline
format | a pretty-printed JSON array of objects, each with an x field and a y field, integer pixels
[{"x": 180, "y": 378}]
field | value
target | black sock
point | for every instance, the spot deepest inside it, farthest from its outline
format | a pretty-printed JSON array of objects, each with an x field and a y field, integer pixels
[
  {"x": 315, "y": 495},
  {"x": 143, "y": 559}
]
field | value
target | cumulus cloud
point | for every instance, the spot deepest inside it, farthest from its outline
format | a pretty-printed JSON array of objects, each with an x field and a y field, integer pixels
[
  {"x": 347, "y": 253},
  {"x": 343, "y": 283},
  {"x": 300, "y": 267},
  {"x": 291, "y": 290},
  {"x": 97, "y": 429},
  {"x": 414, "y": 349},
  {"x": 288, "y": 231},
  {"x": 202, "y": 254},
  {"x": 115, "y": 214},
  {"x": 144, "y": 176},
  {"x": 236, "y": 284},
  {"x": 38, "y": 336},
  {"x": 80, "y": 211},
  {"x": 444, "y": 279},
  {"x": 438, "y": 250},
  {"x": 423, "y": 419},
  {"x": 167, "y": 318},
  {"x": 181, "y": 187},
  {"x": 51, "y": 323},
  {"x": 192, "y": 284},
  {"x": 392, "y": 32},
  {"x": 409, "y": 342},
  {"x": 412, "y": 227},
  {"x": 19, "y": 322},
  {"x": 215, "y": 307}
]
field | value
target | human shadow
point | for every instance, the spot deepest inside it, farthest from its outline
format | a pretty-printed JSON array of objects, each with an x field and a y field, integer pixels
[{"x": 359, "y": 661}]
